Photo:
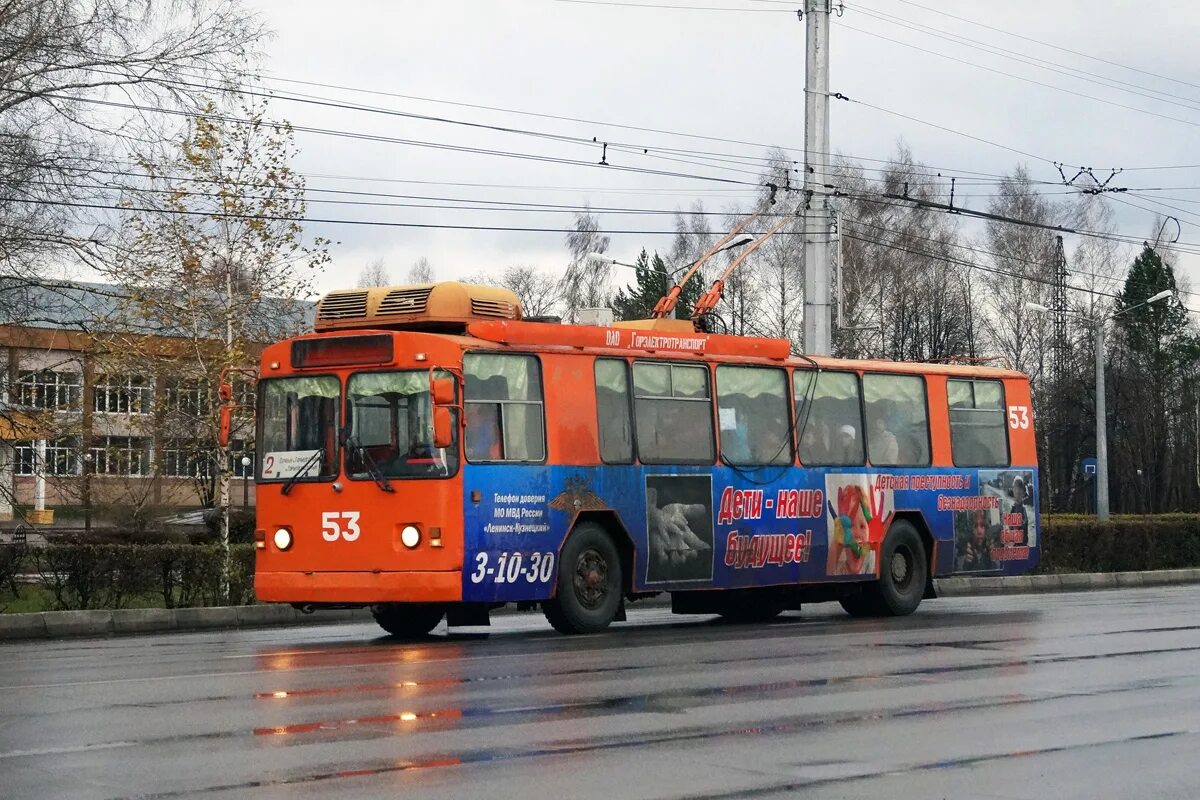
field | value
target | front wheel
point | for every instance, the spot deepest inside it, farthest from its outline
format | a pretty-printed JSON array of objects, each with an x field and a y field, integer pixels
[
  {"x": 588, "y": 594},
  {"x": 408, "y": 620}
]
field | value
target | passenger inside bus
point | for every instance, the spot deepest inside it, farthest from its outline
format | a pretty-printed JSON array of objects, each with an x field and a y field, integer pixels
[
  {"x": 885, "y": 449},
  {"x": 847, "y": 449}
]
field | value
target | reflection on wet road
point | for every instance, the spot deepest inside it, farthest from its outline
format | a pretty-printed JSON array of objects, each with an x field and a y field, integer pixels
[{"x": 1070, "y": 696}]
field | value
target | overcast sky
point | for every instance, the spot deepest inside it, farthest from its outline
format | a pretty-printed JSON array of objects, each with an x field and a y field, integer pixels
[{"x": 735, "y": 75}]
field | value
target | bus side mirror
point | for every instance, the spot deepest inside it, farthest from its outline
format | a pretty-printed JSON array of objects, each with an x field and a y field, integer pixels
[
  {"x": 442, "y": 390},
  {"x": 443, "y": 427},
  {"x": 224, "y": 426}
]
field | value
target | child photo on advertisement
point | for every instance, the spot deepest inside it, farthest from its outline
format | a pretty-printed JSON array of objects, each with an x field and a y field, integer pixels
[{"x": 853, "y": 538}]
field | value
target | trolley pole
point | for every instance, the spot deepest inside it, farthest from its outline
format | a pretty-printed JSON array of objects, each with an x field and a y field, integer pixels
[{"x": 817, "y": 338}]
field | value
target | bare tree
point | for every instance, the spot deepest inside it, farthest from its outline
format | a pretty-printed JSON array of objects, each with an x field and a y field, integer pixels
[
  {"x": 374, "y": 274},
  {"x": 540, "y": 292},
  {"x": 1023, "y": 257},
  {"x": 420, "y": 271},
  {"x": 79, "y": 82},
  {"x": 585, "y": 284}
]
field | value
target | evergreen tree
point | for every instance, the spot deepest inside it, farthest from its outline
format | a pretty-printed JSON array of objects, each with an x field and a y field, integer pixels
[
  {"x": 654, "y": 280},
  {"x": 1155, "y": 354}
]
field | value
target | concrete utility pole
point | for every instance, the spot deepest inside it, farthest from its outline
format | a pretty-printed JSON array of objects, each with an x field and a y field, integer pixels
[
  {"x": 817, "y": 337},
  {"x": 1101, "y": 430}
]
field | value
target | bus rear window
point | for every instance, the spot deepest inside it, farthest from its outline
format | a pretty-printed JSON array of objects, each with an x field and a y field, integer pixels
[
  {"x": 978, "y": 428},
  {"x": 503, "y": 401}
]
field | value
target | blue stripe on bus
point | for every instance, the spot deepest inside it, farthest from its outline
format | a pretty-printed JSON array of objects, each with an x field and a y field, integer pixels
[{"x": 703, "y": 527}]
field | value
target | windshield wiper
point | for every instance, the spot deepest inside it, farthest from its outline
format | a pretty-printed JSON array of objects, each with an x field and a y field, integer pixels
[
  {"x": 290, "y": 482},
  {"x": 365, "y": 457}
]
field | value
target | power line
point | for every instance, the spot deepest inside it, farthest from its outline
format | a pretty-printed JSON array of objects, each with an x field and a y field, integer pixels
[
  {"x": 1023, "y": 58},
  {"x": 840, "y": 96},
  {"x": 674, "y": 8},
  {"x": 1004, "y": 256},
  {"x": 1013, "y": 75},
  {"x": 974, "y": 266},
  {"x": 377, "y": 223},
  {"x": 631, "y": 148},
  {"x": 1051, "y": 45},
  {"x": 412, "y": 142}
]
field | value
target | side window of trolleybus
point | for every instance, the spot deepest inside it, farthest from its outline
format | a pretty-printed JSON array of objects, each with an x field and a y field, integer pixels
[
  {"x": 673, "y": 410},
  {"x": 897, "y": 420},
  {"x": 612, "y": 411},
  {"x": 391, "y": 420},
  {"x": 503, "y": 403},
  {"x": 978, "y": 429},
  {"x": 298, "y": 427},
  {"x": 752, "y": 411},
  {"x": 829, "y": 417}
]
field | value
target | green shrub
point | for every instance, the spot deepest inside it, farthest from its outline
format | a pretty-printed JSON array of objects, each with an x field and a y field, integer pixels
[
  {"x": 83, "y": 576},
  {"x": 12, "y": 562},
  {"x": 1075, "y": 543}
]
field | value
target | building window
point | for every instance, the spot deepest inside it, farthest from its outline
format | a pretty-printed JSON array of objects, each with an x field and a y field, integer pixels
[
  {"x": 121, "y": 455},
  {"x": 672, "y": 408},
  {"x": 62, "y": 457},
  {"x": 897, "y": 420},
  {"x": 978, "y": 429},
  {"x": 190, "y": 399},
  {"x": 185, "y": 458},
  {"x": 48, "y": 389},
  {"x": 115, "y": 394},
  {"x": 504, "y": 408}
]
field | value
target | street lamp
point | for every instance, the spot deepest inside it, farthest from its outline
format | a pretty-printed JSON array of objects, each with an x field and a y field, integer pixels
[
  {"x": 1101, "y": 412},
  {"x": 245, "y": 482},
  {"x": 88, "y": 458}
]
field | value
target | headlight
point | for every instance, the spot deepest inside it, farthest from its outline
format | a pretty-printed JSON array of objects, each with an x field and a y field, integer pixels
[
  {"x": 410, "y": 536},
  {"x": 282, "y": 538}
]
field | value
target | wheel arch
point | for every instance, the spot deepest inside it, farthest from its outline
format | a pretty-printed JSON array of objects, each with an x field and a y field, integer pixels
[
  {"x": 626, "y": 550},
  {"x": 917, "y": 520}
]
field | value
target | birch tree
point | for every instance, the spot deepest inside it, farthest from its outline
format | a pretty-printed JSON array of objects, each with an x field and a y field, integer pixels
[
  {"x": 585, "y": 284},
  {"x": 217, "y": 259}
]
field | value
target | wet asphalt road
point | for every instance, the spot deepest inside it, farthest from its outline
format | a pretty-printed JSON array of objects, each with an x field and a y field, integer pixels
[{"x": 1064, "y": 696}]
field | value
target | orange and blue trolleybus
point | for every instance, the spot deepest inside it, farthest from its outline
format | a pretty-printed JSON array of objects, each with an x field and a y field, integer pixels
[{"x": 428, "y": 452}]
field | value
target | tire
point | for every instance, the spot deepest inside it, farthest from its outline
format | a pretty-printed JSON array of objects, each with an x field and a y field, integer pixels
[
  {"x": 750, "y": 605},
  {"x": 588, "y": 594},
  {"x": 408, "y": 620},
  {"x": 860, "y": 604},
  {"x": 903, "y": 572}
]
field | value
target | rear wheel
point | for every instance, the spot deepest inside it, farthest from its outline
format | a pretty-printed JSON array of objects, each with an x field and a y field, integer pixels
[
  {"x": 588, "y": 594},
  {"x": 408, "y": 620},
  {"x": 904, "y": 569}
]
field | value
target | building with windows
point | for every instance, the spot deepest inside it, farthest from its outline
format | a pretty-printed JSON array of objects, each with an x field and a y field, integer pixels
[{"x": 85, "y": 429}]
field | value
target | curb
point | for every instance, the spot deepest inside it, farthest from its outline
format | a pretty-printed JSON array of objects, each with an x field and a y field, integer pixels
[
  {"x": 1067, "y": 582},
  {"x": 63, "y": 624}
]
